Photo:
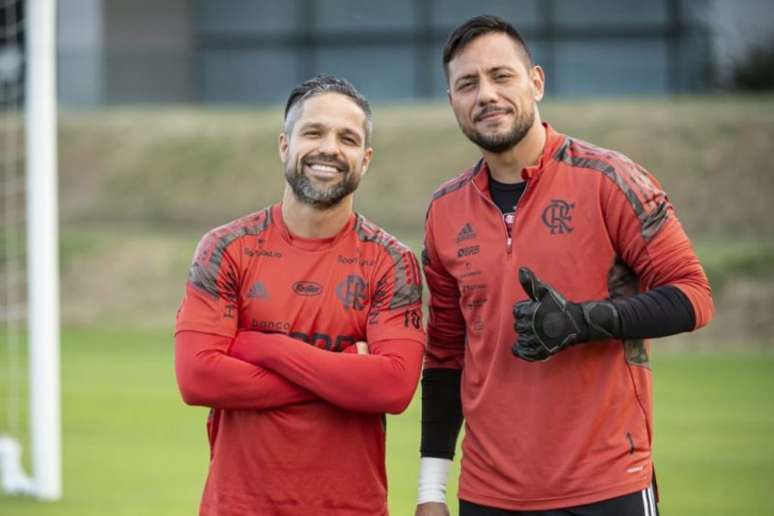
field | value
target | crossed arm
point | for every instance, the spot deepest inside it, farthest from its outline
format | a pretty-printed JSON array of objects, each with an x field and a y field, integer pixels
[{"x": 261, "y": 371}]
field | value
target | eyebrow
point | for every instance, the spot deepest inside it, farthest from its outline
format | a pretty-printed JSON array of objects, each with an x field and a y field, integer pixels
[
  {"x": 488, "y": 71},
  {"x": 320, "y": 126},
  {"x": 496, "y": 69},
  {"x": 312, "y": 125}
]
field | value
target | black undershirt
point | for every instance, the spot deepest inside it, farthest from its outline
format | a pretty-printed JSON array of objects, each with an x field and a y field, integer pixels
[
  {"x": 505, "y": 195},
  {"x": 659, "y": 312}
]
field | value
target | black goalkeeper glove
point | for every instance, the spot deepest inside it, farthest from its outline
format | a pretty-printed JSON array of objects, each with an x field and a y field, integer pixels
[{"x": 549, "y": 323}]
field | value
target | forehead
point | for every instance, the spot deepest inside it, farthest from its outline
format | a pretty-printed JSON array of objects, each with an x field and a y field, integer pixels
[
  {"x": 492, "y": 50},
  {"x": 332, "y": 110}
]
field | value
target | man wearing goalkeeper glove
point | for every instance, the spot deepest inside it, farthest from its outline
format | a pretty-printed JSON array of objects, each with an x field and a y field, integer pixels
[
  {"x": 548, "y": 263},
  {"x": 271, "y": 334}
]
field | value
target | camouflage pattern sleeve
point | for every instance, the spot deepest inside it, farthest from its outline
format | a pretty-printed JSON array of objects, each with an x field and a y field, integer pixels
[
  {"x": 649, "y": 238},
  {"x": 211, "y": 299},
  {"x": 396, "y": 308}
]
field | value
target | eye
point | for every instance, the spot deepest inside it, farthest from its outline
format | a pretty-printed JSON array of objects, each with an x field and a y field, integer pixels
[
  {"x": 465, "y": 85},
  {"x": 349, "y": 138},
  {"x": 502, "y": 77},
  {"x": 311, "y": 133}
]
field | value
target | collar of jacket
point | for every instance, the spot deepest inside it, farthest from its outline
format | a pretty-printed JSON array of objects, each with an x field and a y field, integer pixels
[{"x": 554, "y": 141}]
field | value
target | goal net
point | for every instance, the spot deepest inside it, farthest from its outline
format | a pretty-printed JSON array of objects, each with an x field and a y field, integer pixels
[{"x": 29, "y": 321}]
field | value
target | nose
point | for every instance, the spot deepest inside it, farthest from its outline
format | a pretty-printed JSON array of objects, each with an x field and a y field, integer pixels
[
  {"x": 329, "y": 145},
  {"x": 486, "y": 92}
]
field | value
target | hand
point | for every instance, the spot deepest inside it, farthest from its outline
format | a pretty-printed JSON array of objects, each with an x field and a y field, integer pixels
[
  {"x": 360, "y": 347},
  {"x": 549, "y": 323},
  {"x": 432, "y": 509}
]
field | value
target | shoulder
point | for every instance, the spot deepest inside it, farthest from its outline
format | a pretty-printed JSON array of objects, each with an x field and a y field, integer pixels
[
  {"x": 457, "y": 183},
  {"x": 399, "y": 282},
  {"x": 448, "y": 193},
  {"x": 370, "y": 233},
  {"x": 214, "y": 243},
  {"x": 618, "y": 168},
  {"x": 626, "y": 182}
]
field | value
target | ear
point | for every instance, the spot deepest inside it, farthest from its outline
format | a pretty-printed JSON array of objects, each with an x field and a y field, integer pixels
[
  {"x": 538, "y": 79},
  {"x": 448, "y": 96},
  {"x": 369, "y": 153},
  {"x": 283, "y": 146}
]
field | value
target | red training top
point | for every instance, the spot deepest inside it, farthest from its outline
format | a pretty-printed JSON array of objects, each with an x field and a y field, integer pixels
[
  {"x": 577, "y": 428},
  {"x": 297, "y": 428}
]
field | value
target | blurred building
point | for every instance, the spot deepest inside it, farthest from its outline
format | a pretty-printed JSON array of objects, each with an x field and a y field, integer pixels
[{"x": 253, "y": 51}]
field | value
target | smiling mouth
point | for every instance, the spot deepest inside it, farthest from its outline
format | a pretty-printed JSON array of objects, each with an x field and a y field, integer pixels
[
  {"x": 324, "y": 168},
  {"x": 491, "y": 114}
]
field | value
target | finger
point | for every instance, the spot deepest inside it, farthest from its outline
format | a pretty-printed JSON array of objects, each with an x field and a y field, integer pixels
[
  {"x": 535, "y": 354},
  {"x": 362, "y": 347},
  {"x": 525, "y": 310},
  {"x": 522, "y": 346},
  {"x": 524, "y": 327},
  {"x": 523, "y": 352},
  {"x": 534, "y": 288}
]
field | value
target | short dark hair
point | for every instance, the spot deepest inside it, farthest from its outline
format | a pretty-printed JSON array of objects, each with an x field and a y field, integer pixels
[
  {"x": 325, "y": 83},
  {"x": 475, "y": 27}
]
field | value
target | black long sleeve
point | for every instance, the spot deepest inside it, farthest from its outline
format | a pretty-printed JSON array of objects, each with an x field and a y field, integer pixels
[
  {"x": 441, "y": 412},
  {"x": 659, "y": 312}
]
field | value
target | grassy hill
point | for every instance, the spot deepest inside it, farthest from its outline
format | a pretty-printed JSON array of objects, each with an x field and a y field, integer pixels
[{"x": 138, "y": 187}]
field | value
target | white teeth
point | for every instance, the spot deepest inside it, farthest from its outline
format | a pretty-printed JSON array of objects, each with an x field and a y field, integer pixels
[{"x": 323, "y": 168}]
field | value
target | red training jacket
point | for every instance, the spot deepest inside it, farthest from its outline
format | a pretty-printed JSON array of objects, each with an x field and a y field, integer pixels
[
  {"x": 577, "y": 428},
  {"x": 297, "y": 426}
]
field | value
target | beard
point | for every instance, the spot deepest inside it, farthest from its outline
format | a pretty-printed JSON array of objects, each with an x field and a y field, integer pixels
[
  {"x": 320, "y": 197},
  {"x": 501, "y": 142}
]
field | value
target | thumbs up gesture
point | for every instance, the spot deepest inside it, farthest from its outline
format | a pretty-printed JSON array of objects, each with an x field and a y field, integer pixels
[{"x": 548, "y": 323}]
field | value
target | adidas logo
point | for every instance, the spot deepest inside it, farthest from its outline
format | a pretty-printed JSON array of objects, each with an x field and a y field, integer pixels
[
  {"x": 258, "y": 291},
  {"x": 466, "y": 233}
]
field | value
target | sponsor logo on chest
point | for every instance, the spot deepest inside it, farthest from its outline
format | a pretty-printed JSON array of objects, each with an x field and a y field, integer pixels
[
  {"x": 307, "y": 288},
  {"x": 466, "y": 233},
  {"x": 468, "y": 251}
]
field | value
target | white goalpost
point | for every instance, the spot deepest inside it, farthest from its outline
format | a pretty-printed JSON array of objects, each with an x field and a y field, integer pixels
[{"x": 33, "y": 65}]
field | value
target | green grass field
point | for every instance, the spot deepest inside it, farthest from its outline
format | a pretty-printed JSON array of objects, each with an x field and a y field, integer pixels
[{"x": 131, "y": 447}]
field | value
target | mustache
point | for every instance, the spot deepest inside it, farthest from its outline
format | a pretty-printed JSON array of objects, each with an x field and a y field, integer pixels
[
  {"x": 326, "y": 159},
  {"x": 488, "y": 111}
]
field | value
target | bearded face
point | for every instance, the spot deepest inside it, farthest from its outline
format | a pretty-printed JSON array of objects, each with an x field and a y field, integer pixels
[
  {"x": 303, "y": 178},
  {"x": 324, "y": 150},
  {"x": 496, "y": 139},
  {"x": 494, "y": 90}
]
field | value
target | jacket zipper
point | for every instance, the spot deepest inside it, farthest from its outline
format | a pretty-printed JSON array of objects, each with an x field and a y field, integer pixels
[
  {"x": 508, "y": 238},
  {"x": 516, "y": 211}
]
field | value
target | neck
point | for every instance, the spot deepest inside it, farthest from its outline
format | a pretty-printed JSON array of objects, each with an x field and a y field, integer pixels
[
  {"x": 506, "y": 166},
  {"x": 307, "y": 221}
]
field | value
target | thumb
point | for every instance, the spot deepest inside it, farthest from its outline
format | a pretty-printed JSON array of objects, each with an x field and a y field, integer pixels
[{"x": 535, "y": 289}]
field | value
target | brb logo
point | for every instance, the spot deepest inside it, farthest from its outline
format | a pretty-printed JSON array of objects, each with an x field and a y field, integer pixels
[
  {"x": 352, "y": 292},
  {"x": 557, "y": 216}
]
